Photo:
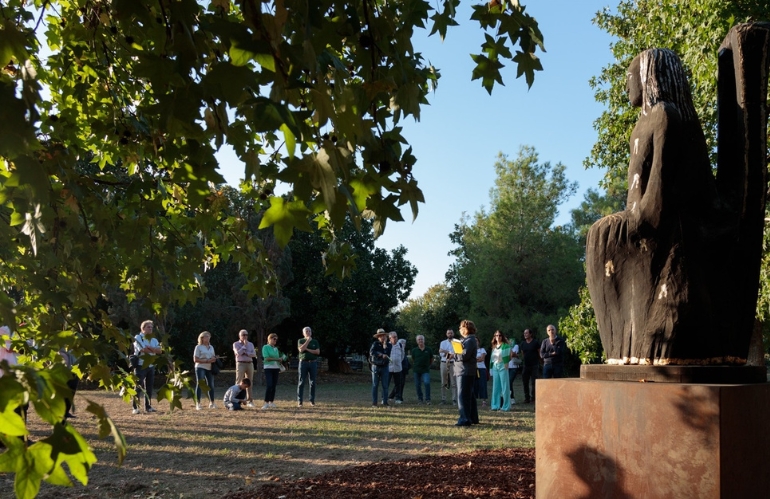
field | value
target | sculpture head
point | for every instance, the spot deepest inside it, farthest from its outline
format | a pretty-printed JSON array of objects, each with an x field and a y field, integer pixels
[{"x": 657, "y": 75}]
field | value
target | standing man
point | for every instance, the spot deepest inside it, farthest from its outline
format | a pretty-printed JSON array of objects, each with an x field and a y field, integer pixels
[
  {"x": 422, "y": 358},
  {"x": 530, "y": 350},
  {"x": 244, "y": 363},
  {"x": 379, "y": 359},
  {"x": 552, "y": 352},
  {"x": 309, "y": 350},
  {"x": 448, "y": 379},
  {"x": 146, "y": 346}
]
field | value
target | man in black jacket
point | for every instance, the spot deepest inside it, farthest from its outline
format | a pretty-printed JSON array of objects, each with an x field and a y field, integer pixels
[{"x": 530, "y": 351}]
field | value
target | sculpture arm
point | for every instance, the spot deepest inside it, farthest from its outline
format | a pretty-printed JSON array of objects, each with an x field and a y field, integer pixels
[{"x": 655, "y": 155}]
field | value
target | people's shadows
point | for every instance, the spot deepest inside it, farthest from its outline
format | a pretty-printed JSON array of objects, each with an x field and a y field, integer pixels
[{"x": 601, "y": 474}]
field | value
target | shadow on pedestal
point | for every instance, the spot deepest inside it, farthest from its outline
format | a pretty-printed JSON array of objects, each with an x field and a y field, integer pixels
[{"x": 623, "y": 439}]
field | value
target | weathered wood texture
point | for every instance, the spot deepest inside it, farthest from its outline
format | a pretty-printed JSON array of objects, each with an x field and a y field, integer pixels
[{"x": 674, "y": 277}]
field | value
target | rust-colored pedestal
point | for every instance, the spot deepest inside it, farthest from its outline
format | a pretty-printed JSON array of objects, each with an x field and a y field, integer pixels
[{"x": 617, "y": 439}]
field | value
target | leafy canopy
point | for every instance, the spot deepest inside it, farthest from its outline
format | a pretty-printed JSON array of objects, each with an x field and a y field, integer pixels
[{"x": 112, "y": 115}]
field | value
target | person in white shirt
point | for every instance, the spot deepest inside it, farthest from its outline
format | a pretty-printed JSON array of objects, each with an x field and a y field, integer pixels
[
  {"x": 481, "y": 382},
  {"x": 397, "y": 354},
  {"x": 146, "y": 346},
  {"x": 448, "y": 380},
  {"x": 204, "y": 356},
  {"x": 513, "y": 367}
]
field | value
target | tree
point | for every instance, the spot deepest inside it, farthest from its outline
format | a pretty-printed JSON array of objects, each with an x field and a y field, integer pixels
[
  {"x": 431, "y": 314},
  {"x": 692, "y": 29},
  {"x": 520, "y": 270},
  {"x": 344, "y": 314},
  {"x": 112, "y": 113}
]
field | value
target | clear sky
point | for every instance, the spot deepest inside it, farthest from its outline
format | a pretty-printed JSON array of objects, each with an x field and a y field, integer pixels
[{"x": 460, "y": 134}]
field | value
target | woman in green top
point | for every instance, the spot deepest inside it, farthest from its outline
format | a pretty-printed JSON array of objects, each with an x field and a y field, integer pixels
[
  {"x": 272, "y": 358},
  {"x": 498, "y": 367}
]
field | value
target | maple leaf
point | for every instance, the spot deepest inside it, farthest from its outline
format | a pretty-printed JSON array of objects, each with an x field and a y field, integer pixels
[{"x": 527, "y": 65}]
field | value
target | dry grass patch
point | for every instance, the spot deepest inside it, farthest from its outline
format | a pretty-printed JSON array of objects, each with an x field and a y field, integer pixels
[{"x": 209, "y": 453}]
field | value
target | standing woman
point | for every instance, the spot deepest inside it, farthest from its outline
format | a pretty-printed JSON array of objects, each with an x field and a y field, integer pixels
[
  {"x": 272, "y": 359},
  {"x": 498, "y": 365},
  {"x": 204, "y": 356},
  {"x": 465, "y": 372},
  {"x": 395, "y": 367},
  {"x": 481, "y": 382}
]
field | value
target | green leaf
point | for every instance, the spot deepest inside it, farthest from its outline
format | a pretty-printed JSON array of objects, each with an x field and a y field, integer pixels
[
  {"x": 267, "y": 61},
  {"x": 527, "y": 64},
  {"x": 17, "y": 135},
  {"x": 12, "y": 44},
  {"x": 66, "y": 445},
  {"x": 26, "y": 483},
  {"x": 323, "y": 176},
  {"x": 444, "y": 19},
  {"x": 107, "y": 427},
  {"x": 488, "y": 70},
  {"x": 14, "y": 454},
  {"x": 11, "y": 423},
  {"x": 284, "y": 216},
  {"x": 230, "y": 83},
  {"x": 322, "y": 102},
  {"x": 289, "y": 139},
  {"x": 361, "y": 191},
  {"x": 240, "y": 56}
]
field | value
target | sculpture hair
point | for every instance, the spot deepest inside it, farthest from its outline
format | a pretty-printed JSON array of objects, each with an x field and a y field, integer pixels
[{"x": 663, "y": 80}]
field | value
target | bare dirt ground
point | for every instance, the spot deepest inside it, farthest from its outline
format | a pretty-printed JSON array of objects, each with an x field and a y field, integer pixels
[
  {"x": 292, "y": 452},
  {"x": 506, "y": 473}
]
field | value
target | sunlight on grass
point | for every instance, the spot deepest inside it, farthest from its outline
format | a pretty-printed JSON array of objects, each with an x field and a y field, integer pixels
[{"x": 187, "y": 449}]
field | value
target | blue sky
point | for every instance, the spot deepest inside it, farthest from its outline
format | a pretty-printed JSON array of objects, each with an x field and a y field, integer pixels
[{"x": 462, "y": 131}]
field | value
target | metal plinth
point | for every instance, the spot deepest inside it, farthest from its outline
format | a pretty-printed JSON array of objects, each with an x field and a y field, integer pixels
[
  {"x": 615, "y": 439},
  {"x": 731, "y": 375}
]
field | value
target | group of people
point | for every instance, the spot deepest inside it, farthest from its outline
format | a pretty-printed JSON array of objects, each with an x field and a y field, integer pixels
[
  {"x": 507, "y": 359},
  {"x": 146, "y": 346},
  {"x": 388, "y": 360}
]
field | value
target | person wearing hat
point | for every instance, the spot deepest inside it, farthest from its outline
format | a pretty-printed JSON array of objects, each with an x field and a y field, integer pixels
[
  {"x": 379, "y": 358},
  {"x": 244, "y": 362}
]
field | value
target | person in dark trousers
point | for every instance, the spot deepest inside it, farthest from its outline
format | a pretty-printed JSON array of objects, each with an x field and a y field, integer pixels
[
  {"x": 379, "y": 357},
  {"x": 397, "y": 354},
  {"x": 530, "y": 352},
  {"x": 309, "y": 351},
  {"x": 552, "y": 352},
  {"x": 146, "y": 346},
  {"x": 465, "y": 372}
]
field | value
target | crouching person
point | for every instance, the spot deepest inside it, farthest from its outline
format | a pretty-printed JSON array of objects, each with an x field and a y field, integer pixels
[{"x": 236, "y": 394}]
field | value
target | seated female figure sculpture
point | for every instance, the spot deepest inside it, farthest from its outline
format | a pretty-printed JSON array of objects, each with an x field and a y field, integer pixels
[{"x": 646, "y": 265}]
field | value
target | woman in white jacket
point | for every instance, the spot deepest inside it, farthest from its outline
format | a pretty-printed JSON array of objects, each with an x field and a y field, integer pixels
[{"x": 397, "y": 353}]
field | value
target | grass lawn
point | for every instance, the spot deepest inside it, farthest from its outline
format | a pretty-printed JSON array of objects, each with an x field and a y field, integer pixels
[{"x": 207, "y": 453}]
